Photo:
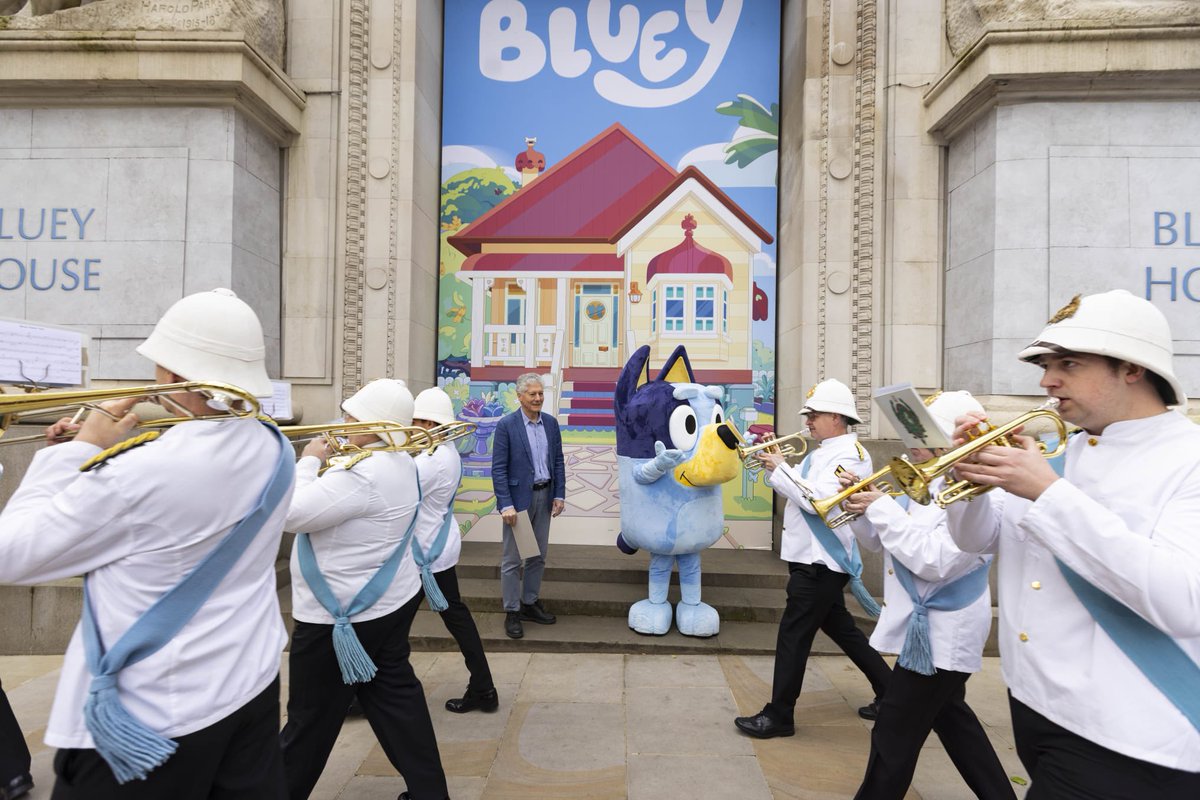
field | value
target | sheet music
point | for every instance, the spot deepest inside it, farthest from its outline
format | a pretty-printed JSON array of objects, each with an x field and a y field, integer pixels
[
  {"x": 279, "y": 404},
  {"x": 38, "y": 354}
]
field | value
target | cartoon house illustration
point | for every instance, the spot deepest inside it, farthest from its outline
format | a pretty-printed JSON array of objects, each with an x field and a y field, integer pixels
[{"x": 605, "y": 251}]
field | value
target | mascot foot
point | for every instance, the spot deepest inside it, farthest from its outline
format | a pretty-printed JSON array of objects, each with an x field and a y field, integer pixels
[
  {"x": 698, "y": 620},
  {"x": 624, "y": 546},
  {"x": 650, "y": 618}
]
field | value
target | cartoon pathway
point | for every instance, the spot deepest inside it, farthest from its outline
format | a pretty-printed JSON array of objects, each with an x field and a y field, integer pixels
[{"x": 611, "y": 726}]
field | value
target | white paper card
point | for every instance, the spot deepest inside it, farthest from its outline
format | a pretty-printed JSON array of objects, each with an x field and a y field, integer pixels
[
  {"x": 39, "y": 354},
  {"x": 279, "y": 404},
  {"x": 910, "y": 418},
  {"x": 527, "y": 546}
]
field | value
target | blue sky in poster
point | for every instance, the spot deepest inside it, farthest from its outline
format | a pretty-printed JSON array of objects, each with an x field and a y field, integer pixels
[{"x": 492, "y": 117}]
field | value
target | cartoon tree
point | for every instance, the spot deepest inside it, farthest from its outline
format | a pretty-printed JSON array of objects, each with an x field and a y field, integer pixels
[
  {"x": 471, "y": 194},
  {"x": 761, "y": 130}
]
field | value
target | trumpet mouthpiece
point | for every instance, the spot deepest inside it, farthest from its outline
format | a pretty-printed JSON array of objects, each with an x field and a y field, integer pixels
[{"x": 1051, "y": 404}]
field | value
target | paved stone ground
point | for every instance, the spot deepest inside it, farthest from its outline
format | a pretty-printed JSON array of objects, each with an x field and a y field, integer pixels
[{"x": 611, "y": 726}]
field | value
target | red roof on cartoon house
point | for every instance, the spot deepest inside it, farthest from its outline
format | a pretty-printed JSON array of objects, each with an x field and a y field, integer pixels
[
  {"x": 689, "y": 258},
  {"x": 544, "y": 262},
  {"x": 595, "y": 194}
]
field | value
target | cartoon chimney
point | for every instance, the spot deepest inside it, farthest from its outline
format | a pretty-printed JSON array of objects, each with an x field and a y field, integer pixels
[{"x": 531, "y": 163}]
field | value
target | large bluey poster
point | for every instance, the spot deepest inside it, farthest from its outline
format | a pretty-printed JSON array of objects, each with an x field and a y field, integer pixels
[{"x": 609, "y": 180}]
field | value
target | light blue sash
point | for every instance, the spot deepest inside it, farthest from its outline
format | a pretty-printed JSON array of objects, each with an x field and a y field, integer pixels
[
  {"x": 1157, "y": 655},
  {"x": 425, "y": 561},
  {"x": 850, "y": 563},
  {"x": 130, "y": 748},
  {"x": 356, "y": 665},
  {"x": 917, "y": 652}
]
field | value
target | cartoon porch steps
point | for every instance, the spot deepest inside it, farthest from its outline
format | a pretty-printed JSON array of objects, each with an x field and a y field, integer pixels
[{"x": 587, "y": 398}]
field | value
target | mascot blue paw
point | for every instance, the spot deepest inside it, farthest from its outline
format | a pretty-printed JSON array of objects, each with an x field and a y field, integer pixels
[
  {"x": 698, "y": 620},
  {"x": 651, "y": 618},
  {"x": 624, "y": 546}
]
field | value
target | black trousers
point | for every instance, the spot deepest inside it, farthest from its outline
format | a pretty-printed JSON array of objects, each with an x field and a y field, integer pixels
[
  {"x": 913, "y": 705},
  {"x": 237, "y": 758},
  {"x": 1065, "y": 766},
  {"x": 394, "y": 703},
  {"x": 815, "y": 602},
  {"x": 458, "y": 620},
  {"x": 14, "y": 753}
]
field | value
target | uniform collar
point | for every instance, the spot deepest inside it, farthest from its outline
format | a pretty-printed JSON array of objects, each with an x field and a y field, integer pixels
[
  {"x": 834, "y": 441},
  {"x": 1138, "y": 429}
]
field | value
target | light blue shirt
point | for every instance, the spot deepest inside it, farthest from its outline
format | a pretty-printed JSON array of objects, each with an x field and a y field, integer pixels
[{"x": 539, "y": 447}]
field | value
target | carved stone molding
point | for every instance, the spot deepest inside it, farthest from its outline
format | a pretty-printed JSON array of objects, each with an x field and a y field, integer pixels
[
  {"x": 862, "y": 297},
  {"x": 394, "y": 195},
  {"x": 823, "y": 202},
  {"x": 356, "y": 201}
]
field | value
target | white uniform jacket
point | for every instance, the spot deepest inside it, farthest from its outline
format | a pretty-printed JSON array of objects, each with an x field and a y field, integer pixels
[
  {"x": 440, "y": 473},
  {"x": 918, "y": 539},
  {"x": 799, "y": 545},
  {"x": 354, "y": 519},
  {"x": 137, "y": 525},
  {"x": 1127, "y": 519}
]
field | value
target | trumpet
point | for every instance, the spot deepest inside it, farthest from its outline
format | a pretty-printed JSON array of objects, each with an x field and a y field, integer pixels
[
  {"x": 915, "y": 479},
  {"x": 825, "y": 506},
  {"x": 789, "y": 446},
  {"x": 232, "y": 401}
]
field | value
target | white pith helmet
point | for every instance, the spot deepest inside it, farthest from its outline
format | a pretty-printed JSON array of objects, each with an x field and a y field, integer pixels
[
  {"x": 211, "y": 336},
  {"x": 385, "y": 399},
  {"x": 832, "y": 396},
  {"x": 435, "y": 406},
  {"x": 1116, "y": 324},
  {"x": 949, "y": 406}
]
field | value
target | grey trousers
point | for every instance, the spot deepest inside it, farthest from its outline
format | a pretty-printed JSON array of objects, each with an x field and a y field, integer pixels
[{"x": 513, "y": 589}]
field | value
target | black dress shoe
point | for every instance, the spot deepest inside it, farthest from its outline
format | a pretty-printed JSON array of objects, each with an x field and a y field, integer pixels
[
  {"x": 871, "y": 711},
  {"x": 535, "y": 613},
  {"x": 17, "y": 787},
  {"x": 407, "y": 796},
  {"x": 512, "y": 625},
  {"x": 484, "y": 701},
  {"x": 761, "y": 726}
]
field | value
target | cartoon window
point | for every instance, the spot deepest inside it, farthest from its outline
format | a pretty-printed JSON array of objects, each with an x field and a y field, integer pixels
[
  {"x": 673, "y": 309},
  {"x": 703, "y": 308},
  {"x": 724, "y": 311},
  {"x": 514, "y": 310},
  {"x": 654, "y": 311}
]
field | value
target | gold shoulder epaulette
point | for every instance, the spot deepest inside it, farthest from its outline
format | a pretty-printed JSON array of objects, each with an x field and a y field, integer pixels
[
  {"x": 346, "y": 462},
  {"x": 103, "y": 456},
  {"x": 862, "y": 454}
]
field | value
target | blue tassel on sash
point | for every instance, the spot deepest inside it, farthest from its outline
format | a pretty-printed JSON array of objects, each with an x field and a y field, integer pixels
[
  {"x": 127, "y": 745},
  {"x": 917, "y": 653},
  {"x": 425, "y": 561},
  {"x": 353, "y": 661}
]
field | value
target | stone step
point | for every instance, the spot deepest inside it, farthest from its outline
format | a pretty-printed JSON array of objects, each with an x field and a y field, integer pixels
[{"x": 755, "y": 569}]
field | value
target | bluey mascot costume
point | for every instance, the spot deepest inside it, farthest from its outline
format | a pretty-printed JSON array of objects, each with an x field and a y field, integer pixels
[{"x": 674, "y": 450}]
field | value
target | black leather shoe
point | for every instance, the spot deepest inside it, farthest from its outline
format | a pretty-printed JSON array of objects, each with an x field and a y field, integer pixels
[
  {"x": 870, "y": 712},
  {"x": 761, "y": 726},
  {"x": 407, "y": 796},
  {"x": 484, "y": 701},
  {"x": 535, "y": 613},
  {"x": 512, "y": 625},
  {"x": 17, "y": 787}
]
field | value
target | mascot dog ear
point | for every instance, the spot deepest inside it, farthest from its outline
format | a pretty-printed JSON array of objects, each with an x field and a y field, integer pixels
[
  {"x": 677, "y": 369},
  {"x": 635, "y": 373}
]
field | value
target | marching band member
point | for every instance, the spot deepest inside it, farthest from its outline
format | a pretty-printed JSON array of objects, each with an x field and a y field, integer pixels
[
  {"x": 354, "y": 596},
  {"x": 820, "y": 561},
  {"x": 937, "y": 613},
  {"x": 437, "y": 543},
  {"x": 1099, "y": 570},
  {"x": 170, "y": 684},
  {"x": 15, "y": 780}
]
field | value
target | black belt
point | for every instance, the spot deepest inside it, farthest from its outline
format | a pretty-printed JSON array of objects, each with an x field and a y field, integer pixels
[{"x": 541, "y": 485}]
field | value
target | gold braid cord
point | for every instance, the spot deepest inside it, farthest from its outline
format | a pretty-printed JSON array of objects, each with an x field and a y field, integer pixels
[{"x": 103, "y": 456}]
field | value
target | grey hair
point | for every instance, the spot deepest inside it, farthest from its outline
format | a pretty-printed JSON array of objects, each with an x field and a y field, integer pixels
[{"x": 526, "y": 379}]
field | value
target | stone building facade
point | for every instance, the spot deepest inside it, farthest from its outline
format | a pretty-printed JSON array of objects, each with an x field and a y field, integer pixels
[{"x": 951, "y": 172}]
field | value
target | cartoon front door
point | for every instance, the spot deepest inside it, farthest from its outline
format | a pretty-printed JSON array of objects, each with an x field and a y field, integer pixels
[{"x": 595, "y": 342}]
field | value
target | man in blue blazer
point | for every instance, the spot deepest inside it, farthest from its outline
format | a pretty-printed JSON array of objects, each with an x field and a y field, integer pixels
[{"x": 528, "y": 474}]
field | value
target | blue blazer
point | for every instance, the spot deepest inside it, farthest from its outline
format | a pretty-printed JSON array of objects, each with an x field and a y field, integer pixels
[{"x": 512, "y": 461}]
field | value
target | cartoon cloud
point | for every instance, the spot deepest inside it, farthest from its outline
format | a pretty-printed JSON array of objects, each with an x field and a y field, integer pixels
[{"x": 674, "y": 450}]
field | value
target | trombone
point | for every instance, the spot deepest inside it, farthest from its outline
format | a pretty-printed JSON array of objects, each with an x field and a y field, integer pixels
[
  {"x": 396, "y": 438},
  {"x": 915, "y": 479},
  {"x": 450, "y": 432},
  {"x": 233, "y": 401}
]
